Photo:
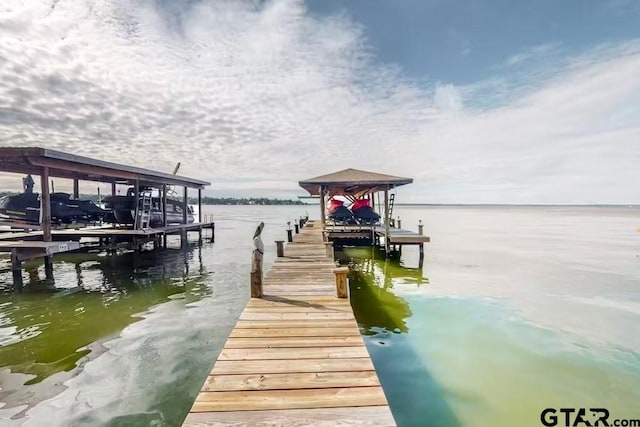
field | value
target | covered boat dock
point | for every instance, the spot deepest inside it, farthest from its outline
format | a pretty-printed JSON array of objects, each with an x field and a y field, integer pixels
[
  {"x": 354, "y": 184},
  {"x": 46, "y": 163}
]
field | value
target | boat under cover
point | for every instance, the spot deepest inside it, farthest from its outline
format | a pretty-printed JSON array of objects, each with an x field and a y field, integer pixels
[
  {"x": 25, "y": 207},
  {"x": 124, "y": 210}
]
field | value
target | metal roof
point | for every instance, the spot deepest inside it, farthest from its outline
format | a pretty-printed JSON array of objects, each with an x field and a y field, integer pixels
[
  {"x": 65, "y": 165},
  {"x": 353, "y": 182}
]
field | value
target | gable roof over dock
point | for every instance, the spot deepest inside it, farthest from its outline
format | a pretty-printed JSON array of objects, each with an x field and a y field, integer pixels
[
  {"x": 65, "y": 165},
  {"x": 352, "y": 181}
]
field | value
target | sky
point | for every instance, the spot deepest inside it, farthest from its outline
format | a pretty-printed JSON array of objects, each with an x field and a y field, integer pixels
[{"x": 480, "y": 101}]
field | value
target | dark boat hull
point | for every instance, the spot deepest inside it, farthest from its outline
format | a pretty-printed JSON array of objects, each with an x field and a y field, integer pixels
[
  {"x": 124, "y": 211},
  {"x": 26, "y": 208},
  {"x": 342, "y": 215},
  {"x": 366, "y": 215}
]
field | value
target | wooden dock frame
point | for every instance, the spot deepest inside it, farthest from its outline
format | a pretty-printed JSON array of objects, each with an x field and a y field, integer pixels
[
  {"x": 29, "y": 245},
  {"x": 295, "y": 356},
  {"x": 51, "y": 163}
]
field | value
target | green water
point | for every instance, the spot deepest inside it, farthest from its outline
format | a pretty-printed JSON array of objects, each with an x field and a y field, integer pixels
[
  {"x": 476, "y": 355},
  {"x": 514, "y": 310}
]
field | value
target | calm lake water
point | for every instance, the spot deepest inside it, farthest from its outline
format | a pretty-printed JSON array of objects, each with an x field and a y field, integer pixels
[{"x": 515, "y": 309}]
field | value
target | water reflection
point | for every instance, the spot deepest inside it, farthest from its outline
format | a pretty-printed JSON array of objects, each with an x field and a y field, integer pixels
[
  {"x": 98, "y": 295},
  {"x": 372, "y": 278},
  {"x": 415, "y": 396}
]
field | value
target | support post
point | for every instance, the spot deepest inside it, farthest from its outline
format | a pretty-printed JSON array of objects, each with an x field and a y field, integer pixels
[
  {"x": 289, "y": 235},
  {"x": 45, "y": 205},
  {"x": 301, "y": 222},
  {"x": 45, "y": 212},
  {"x": 341, "y": 282},
  {"x": 213, "y": 232},
  {"x": 420, "y": 228},
  {"x": 113, "y": 188},
  {"x": 328, "y": 247},
  {"x": 76, "y": 188},
  {"x": 323, "y": 218},
  {"x": 164, "y": 207},
  {"x": 280, "y": 248},
  {"x": 136, "y": 201},
  {"x": 16, "y": 267},
  {"x": 185, "y": 206},
  {"x": 48, "y": 269},
  {"x": 386, "y": 220},
  {"x": 199, "y": 204},
  {"x": 256, "y": 263},
  {"x": 399, "y": 223},
  {"x": 295, "y": 226}
]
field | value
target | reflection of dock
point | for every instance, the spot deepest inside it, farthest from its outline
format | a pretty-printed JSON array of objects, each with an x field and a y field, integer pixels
[{"x": 296, "y": 356}]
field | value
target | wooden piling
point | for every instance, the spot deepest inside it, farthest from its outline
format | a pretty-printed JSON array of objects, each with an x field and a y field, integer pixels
[
  {"x": 16, "y": 267},
  {"x": 289, "y": 235},
  {"x": 399, "y": 223},
  {"x": 421, "y": 228},
  {"x": 295, "y": 226},
  {"x": 48, "y": 268},
  {"x": 341, "y": 281},
  {"x": 328, "y": 247},
  {"x": 280, "y": 248},
  {"x": 256, "y": 263}
]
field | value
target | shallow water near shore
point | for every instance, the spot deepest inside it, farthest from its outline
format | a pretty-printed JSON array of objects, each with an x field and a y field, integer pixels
[{"x": 515, "y": 309}]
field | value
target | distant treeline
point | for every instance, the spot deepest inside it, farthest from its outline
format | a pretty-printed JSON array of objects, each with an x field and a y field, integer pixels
[
  {"x": 245, "y": 201},
  {"x": 207, "y": 200}
]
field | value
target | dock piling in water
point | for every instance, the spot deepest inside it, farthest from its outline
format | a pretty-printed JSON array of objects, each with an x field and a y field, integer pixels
[
  {"x": 280, "y": 248},
  {"x": 341, "y": 281},
  {"x": 328, "y": 247},
  {"x": 256, "y": 263}
]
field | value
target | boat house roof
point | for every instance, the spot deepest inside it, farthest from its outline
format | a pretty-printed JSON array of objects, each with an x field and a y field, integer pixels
[
  {"x": 32, "y": 160},
  {"x": 352, "y": 182}
]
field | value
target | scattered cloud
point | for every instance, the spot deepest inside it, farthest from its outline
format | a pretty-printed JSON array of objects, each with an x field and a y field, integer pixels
[
  {"x": 264, "y": 94},
  {"x": 531, "y": 53}
]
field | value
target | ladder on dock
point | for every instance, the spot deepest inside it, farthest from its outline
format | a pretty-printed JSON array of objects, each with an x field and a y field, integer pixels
[
  {"x": 390, "y": 220},
  {"x": 144, "y": 209}
]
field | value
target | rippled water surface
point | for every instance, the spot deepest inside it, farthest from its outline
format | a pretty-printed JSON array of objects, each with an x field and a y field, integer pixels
[{"x": 514, "y": 310}]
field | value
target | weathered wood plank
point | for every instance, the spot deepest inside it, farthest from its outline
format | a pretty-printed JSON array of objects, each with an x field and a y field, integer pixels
[
  {"x": 290, "y": 380},
  {"x": 290, "y": 365},
  {"x": 293, "y": 332},
  {"x": 289, "y": 309},
  {"x": 289, "y": 399},
  {"x": 277, "y": 353},
  {"x": 245, "y": 343},
  {"x": 296, "y": 316},
  {"x": 378, "y": 416},
  {"x": 307, "y": 323}
]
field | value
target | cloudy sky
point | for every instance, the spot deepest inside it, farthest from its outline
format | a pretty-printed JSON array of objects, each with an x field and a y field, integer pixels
[{"x": 480, "y": 101}]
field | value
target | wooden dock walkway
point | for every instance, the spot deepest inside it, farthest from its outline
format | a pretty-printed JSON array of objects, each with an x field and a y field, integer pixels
[{"x": 296, "y": 356}]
